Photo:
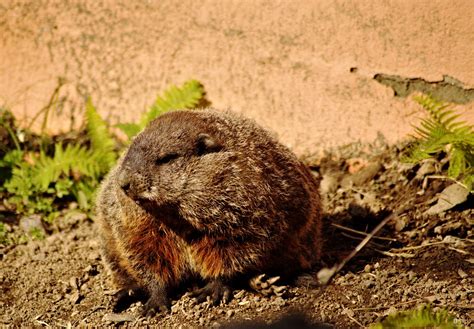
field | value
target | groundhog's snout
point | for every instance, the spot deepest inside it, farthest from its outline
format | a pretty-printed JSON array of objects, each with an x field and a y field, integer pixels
[
  {"x": 124, "y": 181},
  {"x": 132, "y": 183}
]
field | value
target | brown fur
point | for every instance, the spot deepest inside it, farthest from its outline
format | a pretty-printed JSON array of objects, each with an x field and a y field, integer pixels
[{"x": 210, "y": 194}]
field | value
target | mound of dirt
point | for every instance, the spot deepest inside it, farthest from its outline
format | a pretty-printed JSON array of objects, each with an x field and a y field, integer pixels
[{"x": 418, "y": 258}]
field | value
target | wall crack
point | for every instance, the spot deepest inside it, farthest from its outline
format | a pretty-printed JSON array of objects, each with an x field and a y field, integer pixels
[{"x": 449, "y": 89}]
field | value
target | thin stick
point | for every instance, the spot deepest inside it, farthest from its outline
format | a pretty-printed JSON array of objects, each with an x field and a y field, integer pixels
[
  {"x": 372, "y": 243},
  {"x": 354, "y": 320},
  {"x": 393, "y": 254},
  {"x": 423, "y": 245},
  {"x": 326, "y": 276},
  {"x": 361, "y": 233}
]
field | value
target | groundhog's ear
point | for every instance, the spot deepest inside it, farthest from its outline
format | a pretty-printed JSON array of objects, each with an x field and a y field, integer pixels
[{"x": 206, "y": 144}]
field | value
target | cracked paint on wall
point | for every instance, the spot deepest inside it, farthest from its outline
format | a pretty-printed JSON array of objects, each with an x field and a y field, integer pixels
[{"x": 448, "y": 90}]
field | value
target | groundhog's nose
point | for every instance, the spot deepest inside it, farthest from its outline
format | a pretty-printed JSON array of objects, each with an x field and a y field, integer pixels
[{"x": 124, "y": 181}]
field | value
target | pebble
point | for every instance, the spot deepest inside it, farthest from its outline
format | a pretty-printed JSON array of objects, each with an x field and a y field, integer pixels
[
  {"x": 31, "y": 223},
  {"x": 118, "y": 317},
  {"x": 462, "y": 274},
  {"x": 328, "y": 184}
]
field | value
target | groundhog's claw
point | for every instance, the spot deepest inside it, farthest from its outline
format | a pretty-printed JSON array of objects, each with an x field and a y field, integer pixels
[
  {"x": 155, "y": 305},
  {"x": 126, "y": 297},
  {"x": 158, "y": 301},
  {"x": 216, "y": 290}
]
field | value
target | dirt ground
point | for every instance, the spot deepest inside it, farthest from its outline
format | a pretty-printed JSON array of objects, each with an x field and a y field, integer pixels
[{"x": 415, "y": 259}]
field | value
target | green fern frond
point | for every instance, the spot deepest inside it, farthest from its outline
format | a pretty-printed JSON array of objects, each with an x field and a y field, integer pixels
[
  {"x": 129, "y": 129},
  {"x": 442, "y": 131},
  {"x": 441, "y": 115},
  {"x": 20, "y": 183},
  {"x": 102, "y": 143},
  {"x": 174, "y": 98},
  {"x": 424, "y": 317},
  {"x": 73, "y": 159},
  {"x": 187, "y": 96}
]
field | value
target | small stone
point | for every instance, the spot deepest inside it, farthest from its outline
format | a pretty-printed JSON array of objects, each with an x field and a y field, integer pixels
[
  {"x": 363, "y": 176},
  {"x": 239, "y": 294},
  {"x": 31, "y": 224},
  {"x": 451, "y": 196},
  {"x": 462, "y": 274},
  {"x": 229, "y": 313},
  {"x": 427, "y": 168},
  {"x": 431, "y": 299},
  {"x": 74, "y": 282},
  {"x": 400, "y": 224},
  {"x": 74, "y": 297},
  {"x": 328, "y": 184},
  {"x": 57, "y": 297},
  {"x": 117, "y": 318},
  {"x": 175, "y": 308}
]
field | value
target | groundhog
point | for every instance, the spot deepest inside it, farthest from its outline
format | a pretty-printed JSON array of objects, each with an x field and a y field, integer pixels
[{"x": 208, "y": 194}]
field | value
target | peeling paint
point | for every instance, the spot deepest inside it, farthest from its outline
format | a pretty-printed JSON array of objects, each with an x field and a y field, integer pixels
[{"x": 449, "y": 89}]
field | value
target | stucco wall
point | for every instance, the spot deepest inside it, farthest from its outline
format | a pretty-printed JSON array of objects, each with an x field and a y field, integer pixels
[{"x": 304, "y": 69}]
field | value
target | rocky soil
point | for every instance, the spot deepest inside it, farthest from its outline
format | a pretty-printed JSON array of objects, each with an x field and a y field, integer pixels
[{"x": 418, "y": 258}]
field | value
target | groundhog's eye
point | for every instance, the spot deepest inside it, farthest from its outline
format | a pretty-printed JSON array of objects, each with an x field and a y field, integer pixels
[{"x": 166, "y": 158}]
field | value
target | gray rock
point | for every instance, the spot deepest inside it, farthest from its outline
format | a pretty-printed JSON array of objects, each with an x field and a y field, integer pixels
[
  {"x": 451, "y": 196},
  {"x": 32, "y": 223}
]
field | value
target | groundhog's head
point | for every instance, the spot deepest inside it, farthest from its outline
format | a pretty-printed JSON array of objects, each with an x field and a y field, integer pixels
[{"x": 176, "y": 157}]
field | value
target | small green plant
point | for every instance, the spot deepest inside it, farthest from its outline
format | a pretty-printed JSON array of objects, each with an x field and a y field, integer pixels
[
  {"x": 37, "y": 181},
  {"x": 188, "y": 96},
  {"x": 36, "y": 234},
  {"x": 442, "y": 132},
  {"x": 4, "y": 239},
  {"x": 46, "y": 177},
  {"x": 424, "y": 317}
]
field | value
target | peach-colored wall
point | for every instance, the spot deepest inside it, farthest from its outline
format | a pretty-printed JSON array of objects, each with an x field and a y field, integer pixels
[{"x": 284, "y": 63}]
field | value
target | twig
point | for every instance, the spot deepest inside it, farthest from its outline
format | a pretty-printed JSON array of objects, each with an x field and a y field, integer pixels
[
  {"x": 354, "y": 320},
  {"x": 444, "y": 177},
  {"x": 361, "y": 233},
  {"x": 325, "y": 275},
  {"x": 46, "y": 109},
  {"x": 371, "y": 243},
  {"x": 392, "y": 254},
  {"x": 463, "y": 252},
  {"x": 423, "y": 245},
  {"x": 43, "y": 323}
]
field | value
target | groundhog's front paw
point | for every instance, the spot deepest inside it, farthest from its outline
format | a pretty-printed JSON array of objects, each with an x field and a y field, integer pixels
[
  {"x": 156, "y": 304},
  {"x": 215, "y": 289},
  {"x": 126, "y": 297}
]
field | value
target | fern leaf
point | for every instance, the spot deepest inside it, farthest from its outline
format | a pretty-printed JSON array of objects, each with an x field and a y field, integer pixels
[
  {"x": 441, "y": 129},
  {"x": 101, "y": 141},
  {"x": 129, "y": 129},
  {"x": 457, "y": 163},
  {"x": 185, "y": 97},
  {"x": 424, "y": 317},
  {"x": 448, "y": 119}
]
